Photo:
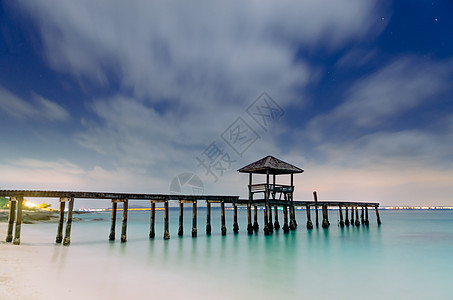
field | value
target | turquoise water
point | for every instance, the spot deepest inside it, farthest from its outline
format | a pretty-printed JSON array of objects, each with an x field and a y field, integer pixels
[{"x": 410, "y": 256}]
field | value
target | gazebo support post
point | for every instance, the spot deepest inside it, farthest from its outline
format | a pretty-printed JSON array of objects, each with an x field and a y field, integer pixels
[
  {"x": 285, "y": 219},
  {"x": 249, "y": 219},
  {"x": 276, "y": 223},
  {"x": 256, "y": 226}
]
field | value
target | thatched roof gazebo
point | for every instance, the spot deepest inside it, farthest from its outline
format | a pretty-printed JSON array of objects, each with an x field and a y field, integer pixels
[{"x": 270, "y": 165}]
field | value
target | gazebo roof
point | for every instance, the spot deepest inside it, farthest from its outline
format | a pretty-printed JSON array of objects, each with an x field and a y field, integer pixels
[{"x": 271, "y": 164}]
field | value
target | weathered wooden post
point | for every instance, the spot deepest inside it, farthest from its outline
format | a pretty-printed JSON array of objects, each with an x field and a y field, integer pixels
[
  {"x": 309, "y": 223},
  {"x": 276, "y": 223},
  {"x": 285, "y": 219},
  {"x": 357, "y": 222},
  {"x": 67, "y": 235},
  {"x": 208, "y": 217},
  {"x": 11, "y": 219},
  {"x": 341, "y": 216},
  {"x": 367, "y": 222},
  {"x": 235, "y": 220},
  {"x": 194, "y": 219},
  {"x": 20, "y": 200},
  {"x": 271, "y": 223},
  {"x": 249, "y": 219},
  {"x": 292, "y": 217},
  {"x": 166, "y": 228},
  {"x": 256, "y": 226},
  {"x": 325, "y": 217},
  {"x": 346, "y": 219},
  {"x": 152, "y": 220},
  {"x": 266, "y": 221},
  {"x": 377, "y": 215},
  {"x": 181, "y": 218},
  {"x": 124, "y": 227},
  {"x": 362, "y": 219},
  {"x": 59, "y": 237},
  {"x": 315, "y": 196},
  {"x": 112, "y": 223},
  {"x": 352, "y": 215},
  {"x": 222, "y": 211},
  {"x": 292, "y": 221}
]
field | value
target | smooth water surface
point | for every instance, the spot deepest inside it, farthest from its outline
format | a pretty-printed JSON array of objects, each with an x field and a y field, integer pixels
[{"x": 408, "y": 257}]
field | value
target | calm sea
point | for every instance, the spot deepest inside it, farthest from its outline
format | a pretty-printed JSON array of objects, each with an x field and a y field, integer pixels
[{"x": 410, "y": 256}]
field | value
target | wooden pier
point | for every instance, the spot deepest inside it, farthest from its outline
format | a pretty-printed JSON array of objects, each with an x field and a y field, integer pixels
[
  {"x": 274, "y": 196},
  {"x": 17, "y": 196}
]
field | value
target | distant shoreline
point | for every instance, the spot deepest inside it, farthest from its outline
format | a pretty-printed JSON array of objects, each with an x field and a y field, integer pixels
[{"x": 45, "y": 216}]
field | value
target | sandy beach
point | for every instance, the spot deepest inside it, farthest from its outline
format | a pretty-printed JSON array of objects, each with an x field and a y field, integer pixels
[{"x": 39, "y": 269}]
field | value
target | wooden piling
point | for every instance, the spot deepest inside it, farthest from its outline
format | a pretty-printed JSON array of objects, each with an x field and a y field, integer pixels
[
  {"x": 222, "y": 210},
  {"x": 20, "y": 201},
  {"x": 181, "y": 218},
  {"x": 271, "y": 223},
  {"x": 113, "y": 220},
  {"x": 325, "y": 220},
  {"x": 208, "y": 218},
  {"x": 256, "y": 226},
  {"x": 266, "y": 221},
  {"x": 124, "y": 225},
  {"x": 285, "y": 219},
  {"x": 377, "y": 215},
  {"x": 235, "y": 219},
  {"x": 249, "y": 219},
  {"x": 292, "y": 217},
  {"x": 166, "y": 227},
  {"x": 276, "y": 223},
  {"x": 362, "y": 219},
  {"x": 152, "y": 220},
  {"x": 67, "y": 235},
  {"x": 315, "y": 196},
  {"x": 357, "y": 222},
  {"x": 59, "y": 237},
  {"x": 11, "y": 219},
  {"x": 309, "y": 223},
  {"x": 267, "y": 214},
  {"x": 346, "y": 218},
  {"x": 341, "y": 216},
  {"x": 367, "y": 222},
  {"x": 352, "y": 215},
  {"x": 194, "y": 219}
]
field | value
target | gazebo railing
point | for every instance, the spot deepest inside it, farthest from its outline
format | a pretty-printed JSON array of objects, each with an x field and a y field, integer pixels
[{"x": 278, "y": 188}]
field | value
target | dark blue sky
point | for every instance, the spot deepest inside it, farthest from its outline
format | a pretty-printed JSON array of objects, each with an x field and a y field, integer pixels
[{"x": 107, "y": 96}]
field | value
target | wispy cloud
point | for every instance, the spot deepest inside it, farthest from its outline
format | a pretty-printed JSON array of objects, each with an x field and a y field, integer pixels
[
  {"x": 40, "y": 109},
  {"x": 173, "y": 51},
  {"x": 385, "y": 95}
]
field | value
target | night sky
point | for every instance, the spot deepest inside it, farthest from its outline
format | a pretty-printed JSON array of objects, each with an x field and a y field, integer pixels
[{"x": 126, "y": 96}]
